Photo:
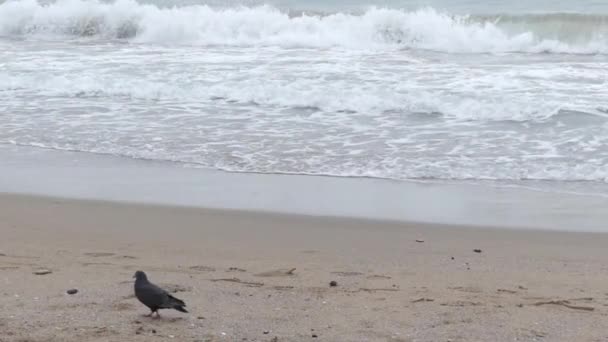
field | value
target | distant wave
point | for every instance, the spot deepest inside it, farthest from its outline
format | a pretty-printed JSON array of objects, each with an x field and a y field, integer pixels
[{"x": 268, "y": 26}]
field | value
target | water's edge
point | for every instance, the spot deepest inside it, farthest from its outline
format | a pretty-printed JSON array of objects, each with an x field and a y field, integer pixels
[{"x": 100, "y": 177}]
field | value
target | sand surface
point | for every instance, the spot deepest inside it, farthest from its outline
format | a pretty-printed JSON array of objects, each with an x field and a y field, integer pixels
[{"x": 261, "y": 277}]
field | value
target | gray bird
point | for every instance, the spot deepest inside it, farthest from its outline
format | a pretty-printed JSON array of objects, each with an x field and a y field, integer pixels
[{"x": 154, "y": 297}]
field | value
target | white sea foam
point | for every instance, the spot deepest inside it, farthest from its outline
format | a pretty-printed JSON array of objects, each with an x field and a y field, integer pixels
[
  {"x": 375, "y": 28},
  {"x": 255, "y": 89}
]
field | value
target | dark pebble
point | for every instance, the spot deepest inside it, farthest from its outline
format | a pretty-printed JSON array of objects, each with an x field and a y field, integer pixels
[
  {"x": 477, "y": 250},
  {"x": 314, "y": 336},
  {"x": 266, "y": 332},
  {"x": 333, "y": 283},
  {"x": 72, "y": 291},
  {"x": 452, "y": 258}
]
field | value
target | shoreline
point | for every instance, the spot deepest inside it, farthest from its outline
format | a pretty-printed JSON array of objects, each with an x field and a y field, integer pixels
[
  {"x": 82, "y": 175},
  {"x": 232, "y": 269}
]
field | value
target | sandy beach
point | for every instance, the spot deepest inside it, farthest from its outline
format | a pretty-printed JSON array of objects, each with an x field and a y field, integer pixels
[{"x": 250, "y": 276}]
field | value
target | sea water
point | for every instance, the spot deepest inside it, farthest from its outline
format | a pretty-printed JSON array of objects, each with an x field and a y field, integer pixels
[{"x": 509, "y": 92}]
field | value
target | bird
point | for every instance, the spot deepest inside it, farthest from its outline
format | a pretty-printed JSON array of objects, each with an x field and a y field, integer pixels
[{"x": 154, "y": 297}]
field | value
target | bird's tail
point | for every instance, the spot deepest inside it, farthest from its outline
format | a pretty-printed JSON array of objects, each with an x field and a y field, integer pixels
[
  {"x": 180, "y": 308},
  {"x": 178, "y": 304}
]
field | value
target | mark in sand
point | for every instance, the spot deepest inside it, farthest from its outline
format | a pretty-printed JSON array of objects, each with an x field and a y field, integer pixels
[
  {"x": 42, "y": 271},
  {"x": 123, "y": 306},
  {"x": 347, "y": 273},
  {"x": 99, "y": 254},
  {"x": 371, "y": 290},
  {"x": 564, "y": 303},
  {"x": 506, "y": 291},
  {"x": 175, "y": 288},
  {"x": 420, "y": 300},
  {"x": 310, "y": 252},
  {"x": 277, "y": 273},
  {"x": 378, "y": 276},
  {"x": 238, "y": 281},
  {"x": 3, "y": 268},
  {"x": 468, "y": 289},
  {"x": 461, "y": 303},
  {"x": 202, "y": 268},
  {"x": 96, "y": 263}
]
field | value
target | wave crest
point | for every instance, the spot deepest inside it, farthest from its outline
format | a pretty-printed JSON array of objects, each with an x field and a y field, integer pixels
[{"x": 265, "y": 25}]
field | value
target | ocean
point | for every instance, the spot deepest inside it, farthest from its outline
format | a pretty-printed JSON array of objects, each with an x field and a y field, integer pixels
[{"x": 508, "y": 92}]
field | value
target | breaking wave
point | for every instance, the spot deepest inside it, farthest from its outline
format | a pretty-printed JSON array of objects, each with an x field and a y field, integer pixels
[{"x": 375, "y": 28}]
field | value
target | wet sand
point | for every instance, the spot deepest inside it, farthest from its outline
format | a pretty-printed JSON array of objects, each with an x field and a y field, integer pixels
[{"x": 235, "y": 270}]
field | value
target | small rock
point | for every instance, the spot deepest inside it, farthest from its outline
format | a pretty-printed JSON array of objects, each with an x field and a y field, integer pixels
[
  {"x": 314, "y": 336},
  {"x": 266, "y": 332},
  {"x": 333, "y": 283},
  {"x": 72, "y": 291},
  {"x": 452, "y": 258},
  {"x": 200, "y": 317},
  {"x": 153, "y": 331},
  {"x": 42, "y": 272},
  {"x": 477, "y": 250},
  {"x": 420, "y": 241}
]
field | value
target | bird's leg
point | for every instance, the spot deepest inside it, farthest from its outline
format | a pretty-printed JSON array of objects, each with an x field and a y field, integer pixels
[
  {"x": 157, "y": 315},
  {"x": 150, "y": 314}
]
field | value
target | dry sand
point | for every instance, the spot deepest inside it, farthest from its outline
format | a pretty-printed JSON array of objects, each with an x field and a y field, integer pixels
[{"x": 232, "y": 269}]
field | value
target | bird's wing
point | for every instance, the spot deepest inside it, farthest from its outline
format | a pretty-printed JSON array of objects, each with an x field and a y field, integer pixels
[{"x": 152, "y": 295}]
